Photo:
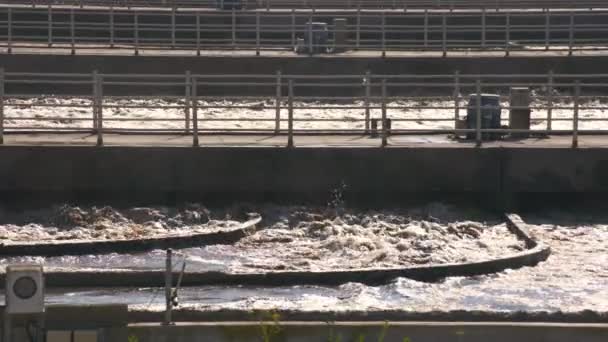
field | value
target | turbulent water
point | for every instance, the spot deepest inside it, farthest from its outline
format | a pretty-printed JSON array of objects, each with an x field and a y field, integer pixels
[
  {"x": 168, "y": 114},
  {"x": 574, "y": 278}
]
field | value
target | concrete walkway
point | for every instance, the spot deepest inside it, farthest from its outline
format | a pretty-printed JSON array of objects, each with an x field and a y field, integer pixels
[{"x": 173, "y": 140}]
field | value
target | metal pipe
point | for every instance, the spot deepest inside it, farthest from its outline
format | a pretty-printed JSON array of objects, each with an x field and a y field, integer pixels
[
  {"x": 384, "y": 121},
  {"x": 257, "y": 33},
  {"x": 277, "y": 124},
  {"x": 188, "y": 97},
  {"x": 456, "y": 98},
  {"x": 72, "y": 31},
  {"x": 136, "y": 33},
  {"x": 50, "y": 25},
  {"x": 194, "y": 95},
  {"x": 444, "y": 35},
  {"x": 478, "y": 137},
  {"x": 168, "y": 286},
  {"x": 383, "y": 34},
  {"x": 571, "y": 34},
  {"x": 99, "y": 105},
  {"x": 1, "y": 106},
  {"x": 290, "y": 115},
  {"x": 368, "y": 90},
  {"x": 577, "y": 94},
  {"x": 198, "y": 33},
  {"x": 550, "y": 100},
  {"x": 111, "y": 27},
  {"x": 10, "y": 30}
]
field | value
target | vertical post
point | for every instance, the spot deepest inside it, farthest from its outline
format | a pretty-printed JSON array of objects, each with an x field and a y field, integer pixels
[
  {"x": 198, "y": 33},
  {"x": 577, "y": 94},
  {"x": 277, "y": 118},
  {"x": 72, "y": 31},
  {"x": 310, "y": 37},
  {"x": 173, "y": 28},
  {"x": 293, "y": 27},
  {"x": 94, "y": 101},
  {"x": 50, "y": 25},
  {"x": 188, "y": 98},
  {"x": 111, "y": 26},
  {"x": 358, "y": 30},
  {"x": 168, "y": 286},
  {"x": 136, "y": 33},
  {"x": 368, "y": 91},
  {"x": 10, "y": 30},
  {"x": 444, "y": 35},
  {"x": 194, "y": 96},
  {"x": 383, "y": 34},
  {"x": 571, "y": 34},
  {"x": 290, "y": 115},
  {"x": 1, "y": 106},
  {"x": 257, "y": 33},
  {"x": 483, "y": 28},
  {"x": 547, "y": 29},
  {"x": 550, "y": 101},
  {"x": 507, "y": 33},
  {"x": 456, "y": 98},
  {"x": 384, "y": 123},
  {"x": 426, "y": 28},
  {"x": 478, "y": 116},
  {"x": 233, "y": 28},
  {"x": 99, "y": 101}
]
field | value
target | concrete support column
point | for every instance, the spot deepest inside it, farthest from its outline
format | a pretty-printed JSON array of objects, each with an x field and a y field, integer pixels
[{"x": 519, "y": 113}]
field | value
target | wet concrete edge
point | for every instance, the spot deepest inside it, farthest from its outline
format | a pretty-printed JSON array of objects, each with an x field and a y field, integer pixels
[{"x": 54, "y": 248}]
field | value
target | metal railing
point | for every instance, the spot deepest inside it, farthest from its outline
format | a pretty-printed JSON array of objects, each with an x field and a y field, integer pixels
[
  {"x": 327, "y": 4},
  {"x": 263, "y": 31},
  {"x": 198, "y": 105}
]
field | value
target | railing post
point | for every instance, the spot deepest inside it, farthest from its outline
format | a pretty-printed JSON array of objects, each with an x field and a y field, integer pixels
[
  {"x": 571, "y": 34},
  {"x": 478, "y": 137},
  {"x": 1, "y": 106},
  {"x": 233, "y": 28},
  {"x": 50, "y": 25},
  {"x": 10, "y": 30},
  {"x": 111, "y": 26},
  {"x": 277, "y": 118},
  {"x": 257, "y": 33},
  {"x": 99, "y": 101},
  {"x": 72, "y": 31},
  {"x": 550, "y": 100},
  {"x": 507, "y": 33},
  {"x": 198, "y": 33},
  {"x": 310, "y": 38},
  {"x": 358, "y": 30},
  {"x": 384, "y": 128},
  {"x": 456, "y": 98},
  {"x": 483, "y": 28},
  {"x": 94, "y": 101},
  {"x": 547, "y": 29},
  {"x": 426, "y": 28},
  {"x": 577, "y": 94},
  {"x": 173, "y": 28},
  {"x": 293, "y": 27},
  {"x": 444, "y": 35},
  {"x": 368, "y": 91},
  {"x": 194, "y": 96},
  {"x": 168, "y": 286},
  {"x": 290, "y": 115},
  {"x": 188, "y": 100},
  {"x": 136, "y": 33},
  {"x": 383, "y": 34}
]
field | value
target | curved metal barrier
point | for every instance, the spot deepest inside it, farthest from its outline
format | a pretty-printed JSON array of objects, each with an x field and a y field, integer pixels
[
  {"x": 536, "y": 253},
  {"x": 53, "y": 248}
]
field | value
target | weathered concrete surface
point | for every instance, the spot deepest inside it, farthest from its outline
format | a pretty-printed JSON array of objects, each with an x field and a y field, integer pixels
[
  {"x": 372, "y": 175},
  {"x": 372, "y": 331}
]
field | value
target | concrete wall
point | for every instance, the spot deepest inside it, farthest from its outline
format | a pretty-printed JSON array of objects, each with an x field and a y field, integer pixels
[
  {"x": 371, "y": 331},
  {"x": 372, "y": 175}
]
